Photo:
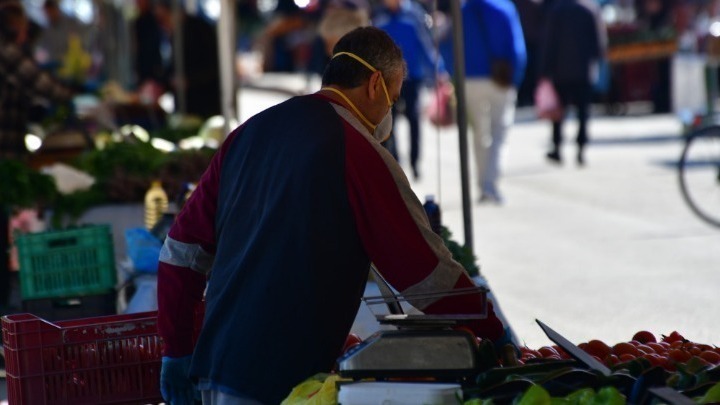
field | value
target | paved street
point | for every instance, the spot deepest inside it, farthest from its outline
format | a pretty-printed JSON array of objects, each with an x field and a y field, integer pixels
[{"x": 595, "y": 252}]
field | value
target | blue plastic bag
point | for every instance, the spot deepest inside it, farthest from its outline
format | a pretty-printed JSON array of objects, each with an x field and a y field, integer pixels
[
  {"x": 143, "y": 248},
  {"x": 601, "y": 85}
]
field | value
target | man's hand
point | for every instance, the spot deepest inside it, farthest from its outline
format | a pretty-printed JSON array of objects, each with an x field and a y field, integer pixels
[{"x": 175, "y": 384}]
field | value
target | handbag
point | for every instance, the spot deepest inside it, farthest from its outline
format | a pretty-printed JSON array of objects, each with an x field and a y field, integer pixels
[
  {"x": 441, "y": 109},
  {"x": 547, "y": 102},
  {"x": 501, "y": 72}
]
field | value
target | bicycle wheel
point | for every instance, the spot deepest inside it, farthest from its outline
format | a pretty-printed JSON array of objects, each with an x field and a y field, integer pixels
[{"x": 699, "y": 171}]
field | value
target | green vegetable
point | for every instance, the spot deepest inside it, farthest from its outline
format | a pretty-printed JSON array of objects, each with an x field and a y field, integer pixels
[
  {"x": 23, "y": 186},
  {"x": 535, "y": 395},
  {"x": 609, "y": 396},
  {"x": 461, "y": 253},
  {"x": 712, "y": 396}
]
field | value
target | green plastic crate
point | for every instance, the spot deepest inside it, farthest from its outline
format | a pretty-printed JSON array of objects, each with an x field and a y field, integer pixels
[{"x": 70, "y": 262}]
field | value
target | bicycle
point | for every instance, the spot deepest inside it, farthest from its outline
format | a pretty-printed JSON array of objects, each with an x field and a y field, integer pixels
[{"x": 699, "y": 173}]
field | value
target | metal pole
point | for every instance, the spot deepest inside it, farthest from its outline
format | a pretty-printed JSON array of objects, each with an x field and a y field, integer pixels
[
  {"x": 459, "y": 81},
  {"x": 178, "y": 57},
  {"x": 226, "y": 49}
]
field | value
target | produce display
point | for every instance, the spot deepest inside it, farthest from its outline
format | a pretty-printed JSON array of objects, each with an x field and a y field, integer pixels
[
  {"x": 642, "y": 363},
  {"x": 632, "y": 42},
  {"x": 640, "y": 369}
]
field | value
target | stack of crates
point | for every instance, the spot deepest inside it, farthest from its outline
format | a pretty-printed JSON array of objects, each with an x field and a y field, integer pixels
[
  {"x": 114, "y": 359},
  {"x": 102, "y": 360},
  {"x": 67, "y": 274}
]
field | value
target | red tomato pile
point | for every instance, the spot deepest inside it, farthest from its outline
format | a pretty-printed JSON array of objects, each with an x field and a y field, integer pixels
[{"x": 666, "y": 352}]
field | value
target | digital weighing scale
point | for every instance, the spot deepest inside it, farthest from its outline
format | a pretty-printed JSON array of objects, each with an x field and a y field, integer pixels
[{"x": 421, "y": 346}]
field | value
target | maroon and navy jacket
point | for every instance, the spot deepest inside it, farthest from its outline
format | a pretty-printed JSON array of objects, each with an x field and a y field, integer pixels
[{"x": 283, "y": 227}]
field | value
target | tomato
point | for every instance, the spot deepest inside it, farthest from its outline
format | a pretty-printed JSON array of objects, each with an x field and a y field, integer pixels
[
  {"x": 644, "y": 336},
  {"x": 528, "y": 353},
  {"x": 611, "y": 360},
  {"x": 547, "y": 351},
  {"x": 710, "y": 356},
  {"x": 694, "y": 350},
  {"x": 657, "y": 347},
  {"x": 679, "y": 355},
  {"x": 563, "y": 354},
  {"x": 625, "y": 357},
  {"x": 351, "y": 341},
  {"x": 598, "y": 348},
  {"x": 655, "y": 359},
  {"x": 674, "y": 336},
  {"x": 645, "y": 349},
  {"x": 625, "y": 348}
]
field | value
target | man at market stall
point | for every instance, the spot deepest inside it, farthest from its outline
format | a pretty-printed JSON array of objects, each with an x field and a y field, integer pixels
[{"x": 283, "y": 226}]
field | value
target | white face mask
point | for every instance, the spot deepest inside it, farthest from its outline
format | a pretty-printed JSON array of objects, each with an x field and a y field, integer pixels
[{"x": 383, "y": 130}]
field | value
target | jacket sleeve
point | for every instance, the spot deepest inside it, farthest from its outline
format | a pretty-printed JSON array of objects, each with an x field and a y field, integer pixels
[
  {"x": 518, "y": 45},
  {"x": 396, "y": 234},
  {"x": 186, "y": 259}
]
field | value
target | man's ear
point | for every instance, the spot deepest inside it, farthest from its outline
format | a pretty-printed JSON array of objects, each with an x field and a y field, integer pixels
[{"x": 374, "y": 85}]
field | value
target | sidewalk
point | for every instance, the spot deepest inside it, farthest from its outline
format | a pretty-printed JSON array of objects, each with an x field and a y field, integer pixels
[{"x": 597, "y": 252}]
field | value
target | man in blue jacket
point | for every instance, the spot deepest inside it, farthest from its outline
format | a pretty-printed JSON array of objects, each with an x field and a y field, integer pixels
[
  {"x": 405, "y": 22},
  {"x": 493, "y": 35}
]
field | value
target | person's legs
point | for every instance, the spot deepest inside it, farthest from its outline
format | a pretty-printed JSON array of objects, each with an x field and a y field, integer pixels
[
  {"x": 411, "y": 90},
  {"x": 478, "y": 111},
  {"x": 554, "y": 155},
  {"x": 582, "y": 94},
  {"x": 502, "y": 115}
]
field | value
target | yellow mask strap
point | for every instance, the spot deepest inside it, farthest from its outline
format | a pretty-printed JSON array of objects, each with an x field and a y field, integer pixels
[
  {"x": 347, "y": 100},
  {"x": 372, "y": 69}
]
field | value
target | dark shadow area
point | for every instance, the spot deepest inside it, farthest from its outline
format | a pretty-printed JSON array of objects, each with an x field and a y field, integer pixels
[{"x": 637, "y": 140}]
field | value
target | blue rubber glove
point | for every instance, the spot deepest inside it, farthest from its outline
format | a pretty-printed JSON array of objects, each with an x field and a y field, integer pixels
[{"x": 175, "y": 384}]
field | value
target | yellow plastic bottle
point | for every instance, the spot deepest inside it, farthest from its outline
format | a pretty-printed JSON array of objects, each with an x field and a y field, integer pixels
[{"x": 156, "y": 203}]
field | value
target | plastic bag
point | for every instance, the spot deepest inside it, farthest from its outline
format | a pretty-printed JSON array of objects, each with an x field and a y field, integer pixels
[
  {"x": 319, "y": 389},
  {"x": 143, "y": 249},
  {"x": 547, "y": 102},
  {"x": 441, "y": 109}
]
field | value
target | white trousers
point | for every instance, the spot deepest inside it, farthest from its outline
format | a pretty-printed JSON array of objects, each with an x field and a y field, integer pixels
[{"x": 491, "y": 110}]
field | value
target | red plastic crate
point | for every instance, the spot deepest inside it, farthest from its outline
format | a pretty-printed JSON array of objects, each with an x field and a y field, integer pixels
[{"x": 103, "y": 360}]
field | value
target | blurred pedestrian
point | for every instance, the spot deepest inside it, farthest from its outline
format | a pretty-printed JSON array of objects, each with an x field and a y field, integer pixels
[
  {"x": 531, "y": 19},
  {"x": 201, "y": 68},
  {"x": 338, "y": 18},
  {"x": 54, "y": 40},
  {"x": 495, "y": 60},
  {"x": 146, "y": 42},
  {"x": 406, "y": 23},
  {"x": 574, "y": 42},
  {"x": 21, "y": 80}
]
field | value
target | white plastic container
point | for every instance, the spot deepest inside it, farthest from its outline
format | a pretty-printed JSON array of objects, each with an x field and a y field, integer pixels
[{"x": 396, "y": 393}]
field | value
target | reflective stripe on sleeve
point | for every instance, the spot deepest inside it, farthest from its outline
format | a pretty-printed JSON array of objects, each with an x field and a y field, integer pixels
[
  {"x": 438, "y": 280},
  {"x": 187, "y": 255}
]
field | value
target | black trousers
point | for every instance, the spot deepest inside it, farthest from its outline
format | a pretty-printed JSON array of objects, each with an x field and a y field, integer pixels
[{"x": 577, "y": 95}]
